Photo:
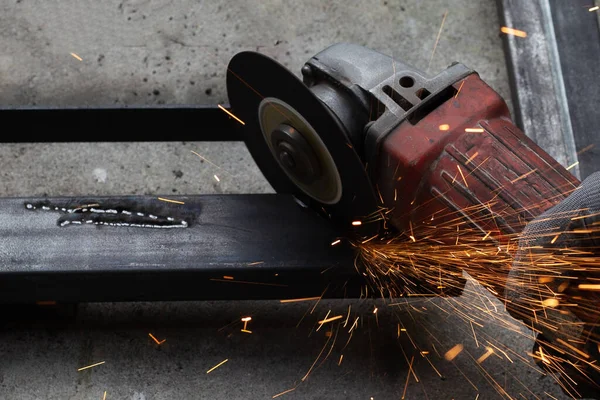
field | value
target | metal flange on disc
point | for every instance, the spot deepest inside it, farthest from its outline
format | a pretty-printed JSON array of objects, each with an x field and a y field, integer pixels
[{"x": 298, "y": 143}]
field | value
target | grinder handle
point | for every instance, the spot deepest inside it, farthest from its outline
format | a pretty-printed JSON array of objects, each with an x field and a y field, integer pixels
[{"x": 467, "y": 161}]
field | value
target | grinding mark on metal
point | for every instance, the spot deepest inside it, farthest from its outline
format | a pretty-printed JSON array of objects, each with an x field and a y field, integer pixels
[{"x": 111, "y": 217}]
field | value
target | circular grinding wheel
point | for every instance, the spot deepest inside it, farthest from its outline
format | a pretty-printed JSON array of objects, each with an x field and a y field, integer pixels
[{"x": 297, "y": 142}]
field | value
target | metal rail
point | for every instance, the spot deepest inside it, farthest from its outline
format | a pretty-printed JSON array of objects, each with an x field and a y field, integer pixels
[
  {"x": 553, "y": 73},
  {"x": 141, "y": 248},
  {"x": 127, "y": 124}
]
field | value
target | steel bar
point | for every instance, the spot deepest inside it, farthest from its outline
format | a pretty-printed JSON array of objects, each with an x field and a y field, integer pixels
[
  {"x": 233, "y": 247},
  {"x": 127, "y": 124}
]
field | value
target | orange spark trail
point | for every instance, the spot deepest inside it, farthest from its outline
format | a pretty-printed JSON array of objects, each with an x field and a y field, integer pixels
[
  {"x": 231, "y": 114},
  {"x": 437, "y": 39},
  {"x": 513, "y": 32},
  {"x": 217, "y": 366}
]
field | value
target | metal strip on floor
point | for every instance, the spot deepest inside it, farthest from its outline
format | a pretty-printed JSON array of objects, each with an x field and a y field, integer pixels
[{"x": 553, "y": 71}]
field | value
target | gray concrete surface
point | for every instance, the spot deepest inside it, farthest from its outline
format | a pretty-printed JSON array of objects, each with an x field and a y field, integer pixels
[{"x": 168, "y": 52}]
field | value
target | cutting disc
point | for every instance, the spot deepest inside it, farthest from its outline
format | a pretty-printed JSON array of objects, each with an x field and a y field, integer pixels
[{"x": 298, "y": 143}]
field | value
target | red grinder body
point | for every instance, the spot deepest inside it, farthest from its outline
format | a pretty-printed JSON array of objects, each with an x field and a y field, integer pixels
[{"x": 467, "y": 161}]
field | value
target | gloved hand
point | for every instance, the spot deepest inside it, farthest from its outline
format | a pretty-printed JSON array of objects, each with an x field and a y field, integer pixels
[{"x": 554, "y": 287}]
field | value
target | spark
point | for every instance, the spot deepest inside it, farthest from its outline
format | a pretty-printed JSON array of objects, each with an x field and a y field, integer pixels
[
  {"x": 444, "y": 127},
  {"x": 91, "y": 366},
  {"x": 514, "y": 32},
  {"x": 76, "y": 56},
  {"x": 300, "y": 299},
  {"x": 489, "y": 352},
  {"x": 354, "y": 325},
  {"x": 356, "y": 223},
  {"x": 340, "y": 361},
  {"x": 584, "y": 216},
  {"x": 211, "y": 163},
  {"x": 595, "y": 8},
  {"x": 347, "y": 316},
  {"x": 474, "y": 130},
  {"x": 410, "y": 368},
  {"x": 170, "y": 201},
  {"x": 217, "y": 366},
  {"x": 543, "y": 356},
  {"x": 437, "y": 40},
  {"x": 459, "y": 89},
  {"x": 472, "y": 158},
  {"x": 217, "y": 178},
  {"x": 523, "y": 176},
  {"x": 572, "y": 165},
  {"x": 588, "y": 286},
  {"x": 228, "y": 277},
  {"x": 284, "y": 392},
  {"x": 326, "y": 320},
  {"x": 104, "y": 397},
  {"x": 316, "y": 359},
  {"x": 433, "y": 366},
  {"x": 231, "y": 114},
  {"x": 552, "y": 303},
  {"x": 575, "y": 349},
  {"x": 245, "y": 320},
  {"x": 248, "y": 282},
  {"x": 338, "y": 241},
  {"x": 474, "y": 335},
  {"x": 463, "y": 176},
  {"x": 453, "y": 352},
  {"x": 159, "y": 342},
  {"x": 256, "y": 262},
  {"x": 412, "y": 234},
  {"x": 585, "y": 149}
]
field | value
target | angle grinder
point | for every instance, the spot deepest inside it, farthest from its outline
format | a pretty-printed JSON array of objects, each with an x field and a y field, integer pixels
[
  {"x": 364, "y": 132},
  {"x": 378, "y": 146}
]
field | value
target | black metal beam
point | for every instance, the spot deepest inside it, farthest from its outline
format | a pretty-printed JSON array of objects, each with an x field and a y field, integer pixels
[
  {"x": 127, "y": 124},
  {"x": 233, "y": 247}
]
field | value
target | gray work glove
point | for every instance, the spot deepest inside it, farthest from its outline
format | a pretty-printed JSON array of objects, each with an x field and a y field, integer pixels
[{"x": 559, "y": 252}]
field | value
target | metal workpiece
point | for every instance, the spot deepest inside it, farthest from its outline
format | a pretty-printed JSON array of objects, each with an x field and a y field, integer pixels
[
  {"x": 142, "y": 248},
  {"x": 145, "y": 248},
  {"x": 121, "y": 124}
]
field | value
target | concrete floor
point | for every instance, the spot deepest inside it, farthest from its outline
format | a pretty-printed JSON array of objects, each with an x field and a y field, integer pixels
[{"x": 137, "y": 52}]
